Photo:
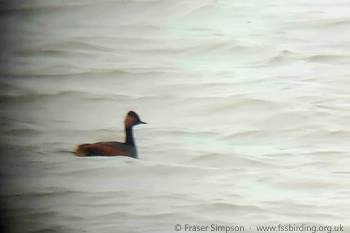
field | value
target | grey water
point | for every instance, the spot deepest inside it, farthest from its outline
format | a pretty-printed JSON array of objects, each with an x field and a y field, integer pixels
[{"x": 247, "y": 104}]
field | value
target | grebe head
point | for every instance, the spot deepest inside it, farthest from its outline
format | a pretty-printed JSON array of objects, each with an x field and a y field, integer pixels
[{"x": 132, "y": 119}]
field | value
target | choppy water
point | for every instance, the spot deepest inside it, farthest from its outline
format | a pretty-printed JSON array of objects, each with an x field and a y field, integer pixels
[{"x": 248, "y": 106}]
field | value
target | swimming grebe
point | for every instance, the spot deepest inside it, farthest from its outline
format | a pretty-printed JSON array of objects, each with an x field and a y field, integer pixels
[{"x": 112, "y": 148}]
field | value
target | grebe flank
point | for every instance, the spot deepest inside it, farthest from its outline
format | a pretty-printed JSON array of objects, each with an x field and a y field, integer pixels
[{"x": 113, "y": 148}]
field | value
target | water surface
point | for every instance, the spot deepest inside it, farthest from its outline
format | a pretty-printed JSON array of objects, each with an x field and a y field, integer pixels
[{"x": 247, "y": 105}]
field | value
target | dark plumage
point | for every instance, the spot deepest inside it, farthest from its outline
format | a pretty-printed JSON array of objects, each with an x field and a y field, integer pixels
[{"x": 113, "y": 148}]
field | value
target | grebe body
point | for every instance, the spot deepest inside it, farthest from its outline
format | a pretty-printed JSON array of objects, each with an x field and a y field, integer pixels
[{"x": 113, "y": 148}]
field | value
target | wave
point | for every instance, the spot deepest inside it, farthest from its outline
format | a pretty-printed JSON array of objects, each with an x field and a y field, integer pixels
[
  {"x": 222, "y": 207},
  {"x": 328, "y": 58},
  {"x": 284, "y": 57},
  {"x": 23, "y": 132},
  {"x": 44, "y": 192},
  {"x": 288, "y": 57},
  {"x": 329, "y": 22},
  {"x": 23, "y": 5},
  {"x": 76, "y": 72},
  {"x": 340, "y": 135},
  {"x": 229, "y": 161},
  {"x": 242, "y": 134},
  {"x": 240, "y": 102},
  {"x": 27, "y": 95}
]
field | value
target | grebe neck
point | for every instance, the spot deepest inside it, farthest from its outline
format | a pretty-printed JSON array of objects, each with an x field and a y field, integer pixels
[{"x": 129, "y": 139}]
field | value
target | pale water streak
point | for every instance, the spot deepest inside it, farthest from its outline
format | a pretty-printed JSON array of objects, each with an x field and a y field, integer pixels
[{"x": 247, "y": 102}]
